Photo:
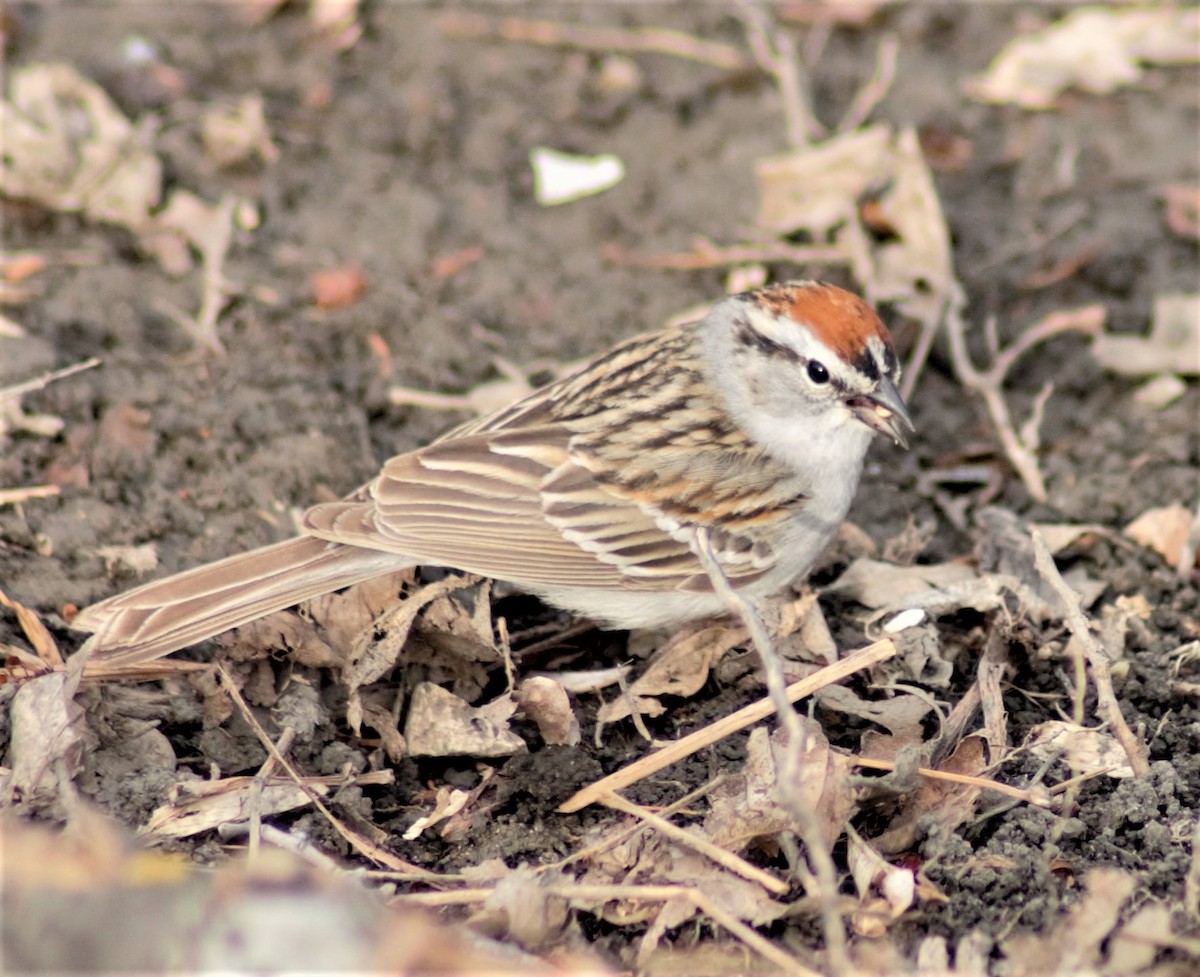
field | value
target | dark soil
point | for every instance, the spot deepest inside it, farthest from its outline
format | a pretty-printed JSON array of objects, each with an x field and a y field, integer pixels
[{"x": 411, "y": 147}]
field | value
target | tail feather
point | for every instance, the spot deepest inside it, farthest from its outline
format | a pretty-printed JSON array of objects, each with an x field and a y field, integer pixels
[{"x": 165, "y": 615}]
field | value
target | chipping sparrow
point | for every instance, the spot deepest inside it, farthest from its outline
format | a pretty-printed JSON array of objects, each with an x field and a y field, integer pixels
[{"x": 751, "y": 423}]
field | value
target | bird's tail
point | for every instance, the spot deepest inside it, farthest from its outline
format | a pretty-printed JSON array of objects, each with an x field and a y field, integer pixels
[{"x": 165, "y": 615}]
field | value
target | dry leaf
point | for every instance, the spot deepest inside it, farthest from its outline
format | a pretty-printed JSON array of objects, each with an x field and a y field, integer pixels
[
  {"x": 885, "y": 891},
  {"x": 1062, "y": 536},
  {"x": 671, "y": 914},
  {"x": 938, "y": 806},
  {"x": 1098, "y": 49},
  {"x": 370, "y": 655},
  {"x": 1086, "y": 750},
  {"x": 235, "y": 133},
  {"x": 680, "y": 668},
  {"x": 1164, "y": 530},
  {"x": 139, "y": 559},
  {"x": 441, "y": 724},
  {"x": 203, "y": 805},
  {"x": 1135, "y": 946},
  {"x": 36, "y": 631},
  {"x": 522, "y": 906},
  {"x": 1173, "y": 345},
  {"x": 747, "y": 806},
  {"x": 449, "y": 801},
  {"x": 820, "y": 190},
  {"x": 902, "y": 716},
  {"x": 346, "y": 616},
  {"x": 49, "y": 737},
  {"x": 70, "y": 149}
]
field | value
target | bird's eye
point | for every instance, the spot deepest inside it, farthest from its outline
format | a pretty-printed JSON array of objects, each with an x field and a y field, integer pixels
[{"x": 817, "y": 372}]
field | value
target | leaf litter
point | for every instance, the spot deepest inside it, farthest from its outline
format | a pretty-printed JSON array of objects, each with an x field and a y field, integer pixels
[{"x": 736, "y": 851}]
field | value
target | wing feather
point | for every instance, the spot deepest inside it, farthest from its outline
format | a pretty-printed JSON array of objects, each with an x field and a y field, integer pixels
[{"x": 517, "y": 506}]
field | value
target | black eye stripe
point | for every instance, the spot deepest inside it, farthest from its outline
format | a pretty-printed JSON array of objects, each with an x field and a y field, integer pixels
[{"x": 746, "y": 335}]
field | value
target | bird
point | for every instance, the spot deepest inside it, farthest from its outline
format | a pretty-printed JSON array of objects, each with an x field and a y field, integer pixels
[{"x": 749, "y": 425}]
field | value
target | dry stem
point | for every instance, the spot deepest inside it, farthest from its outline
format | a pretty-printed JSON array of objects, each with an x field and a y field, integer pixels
[
  {"x": 774, "y": 50},
  {"x": 788, "y": 777},
  {"x": 1021, "y": 448},
  {"x": 645, "y": 40},
  {"x": 726, "y": 859},
  {"x": 1097, "y": 658},
  {"x": 872, "y": 654},
  {"x": 364, "y": 845}
]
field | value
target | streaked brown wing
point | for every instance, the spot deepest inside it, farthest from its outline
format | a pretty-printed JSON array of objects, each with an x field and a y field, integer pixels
[{"x": 512, "y": 505}]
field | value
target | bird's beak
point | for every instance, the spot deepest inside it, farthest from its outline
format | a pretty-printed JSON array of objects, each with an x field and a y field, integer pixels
[{"x": 884, "y": 411}]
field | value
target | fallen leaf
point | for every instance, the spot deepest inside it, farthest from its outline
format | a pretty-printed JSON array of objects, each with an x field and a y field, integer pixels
[
  {"x": 938, "y": 807},
  {"x": 1086, "y": 750},
  {"x": 1097, "y": 49},
  {"x": 522, "y": 907},
  {"x": 1164, "y": 530},
  {"x": 234, "y": 133},
  {"x": 205, "y": 805},
  {"x": 885, "y": 891},
  {"x": 1135, "y": 946},
  {"x": 49, "y": 738},
  {"x": 821, "y": 189},
  {"x": 140, "y": 559},
  {"x": 680, "y": 668},
  {"x": 748, "y": 805},
  {"x": 1173, "y": 345},
  {"x": 449, "y": 801},
  {"x": 441, "y": 724}
]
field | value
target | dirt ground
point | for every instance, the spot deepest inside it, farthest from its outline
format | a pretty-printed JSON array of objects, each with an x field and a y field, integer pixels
[{"x": 406, "y": 156}]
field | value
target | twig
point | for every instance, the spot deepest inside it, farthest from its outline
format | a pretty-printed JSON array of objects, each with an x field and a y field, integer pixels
[
  {"x": 983, "y": 783},
  {"x": 726, "y": 859},
  {"x": 18, "y": 390},
  {"x": 872, "y": 654},
  {"x": 951, "y": 309},
  {"x": 591, "y": 895},
  {"x": 256, "y": 788},
  {"x": 298, "y": 845},
  {"x": 788, "y": 778},
  {"x": 705, "y": 255},
  {"x": 645, "y": 40},
  {"x": 876, "y": 89},
  {"x": 16, "y": 496},
  {"x": 213, "y": 241},
  {"x": 613, "y": 838},
  {"x": 1021, "y": 450},
  {"x": 367, "y": 847},
  {"x": 774, "y": 50},
  {"x": 1097, "y": 658}
]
